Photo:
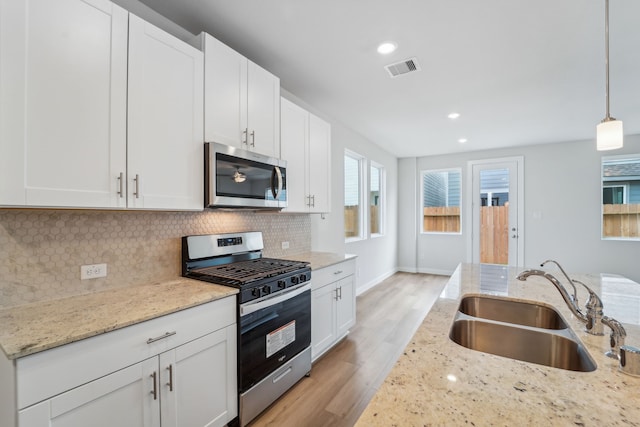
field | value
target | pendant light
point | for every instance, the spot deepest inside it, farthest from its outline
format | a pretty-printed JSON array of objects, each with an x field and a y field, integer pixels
[{"x": 609, "y": 135}]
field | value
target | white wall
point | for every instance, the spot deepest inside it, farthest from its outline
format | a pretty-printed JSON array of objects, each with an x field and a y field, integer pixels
[
  {"x": 562, "y": 184},
  {"x": 377, "y": 257}
]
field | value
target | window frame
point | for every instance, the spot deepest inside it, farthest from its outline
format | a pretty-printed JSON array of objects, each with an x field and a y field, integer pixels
[
  {"x": 623, "y": 181},
  {"x": 382, "y": 198},
  {"x": 421, "y": 204},
  {"x": 362, "y": 226}
]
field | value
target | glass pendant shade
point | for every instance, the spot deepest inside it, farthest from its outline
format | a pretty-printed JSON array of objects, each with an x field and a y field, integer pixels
[{"x": 609, "y": 135}]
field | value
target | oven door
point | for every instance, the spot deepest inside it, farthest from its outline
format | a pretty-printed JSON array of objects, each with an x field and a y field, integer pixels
[{"x": 272, "y": 331}]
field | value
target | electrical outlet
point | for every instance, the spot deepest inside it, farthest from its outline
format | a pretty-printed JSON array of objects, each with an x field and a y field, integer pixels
[
  {"x": 93, "y": 271},
  {"x": 285, "y": 245}
]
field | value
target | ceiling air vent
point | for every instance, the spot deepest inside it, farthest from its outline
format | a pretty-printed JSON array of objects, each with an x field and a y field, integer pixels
[{"x": 403, "y": 67}]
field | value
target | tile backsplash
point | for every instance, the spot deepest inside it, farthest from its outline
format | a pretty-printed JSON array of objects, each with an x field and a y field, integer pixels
[{"x": 41, "y": 251}]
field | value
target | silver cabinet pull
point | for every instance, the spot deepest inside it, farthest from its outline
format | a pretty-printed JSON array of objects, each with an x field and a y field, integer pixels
[
  {"x": 337, "y": 272},
  {"x": 161, "y": 337},
  {"x": 337, "y": 297},
  {"x": 245, "y": 138},
  {"x": 313, "y": 201},
  {"x": 155, "y": 385},
  {"x": 137, "y": 181},
  {"x": 120, "y": 185},
  {"x": 253, "y": 138},
  {"x": 170, "y": 383},
  {"x": 308, "y": 201}
]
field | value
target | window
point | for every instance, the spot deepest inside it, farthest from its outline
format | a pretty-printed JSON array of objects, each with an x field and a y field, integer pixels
[
  {"x": 621, "y": 197},
  {"x": 376, "y": 199},
  {"x": 441, "y": 192},
  {"x": 353, "y": 213}
]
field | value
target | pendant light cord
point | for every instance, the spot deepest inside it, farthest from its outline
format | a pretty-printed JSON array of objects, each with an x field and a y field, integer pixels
[{"x": 606, "y": 59}]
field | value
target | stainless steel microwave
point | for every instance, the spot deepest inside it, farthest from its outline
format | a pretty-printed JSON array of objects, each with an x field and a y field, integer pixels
[{"x": 237, "y": 178}]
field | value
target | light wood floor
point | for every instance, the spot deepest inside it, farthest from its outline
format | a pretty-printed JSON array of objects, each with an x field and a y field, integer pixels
[{"x": 345, "y": 379}]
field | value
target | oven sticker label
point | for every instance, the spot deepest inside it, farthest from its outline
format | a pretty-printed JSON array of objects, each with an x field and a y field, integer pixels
[{"x": 280, "y": 338}]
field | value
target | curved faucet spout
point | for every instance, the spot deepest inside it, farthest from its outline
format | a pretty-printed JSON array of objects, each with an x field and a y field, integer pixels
[
  {"x": 575, "y": 291},
  {"x": 565, "y": 295}
]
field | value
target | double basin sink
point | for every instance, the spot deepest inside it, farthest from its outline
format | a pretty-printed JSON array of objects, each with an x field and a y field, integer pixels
[{"x": 523, "y": 330}]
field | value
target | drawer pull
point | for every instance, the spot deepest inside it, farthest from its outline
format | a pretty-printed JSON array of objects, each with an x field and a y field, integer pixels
[
  {"x": 161, "y": 337},
  {"x": 337, "y": 272}
]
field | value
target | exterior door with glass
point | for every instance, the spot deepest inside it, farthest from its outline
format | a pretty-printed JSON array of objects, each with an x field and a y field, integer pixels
[{"x": 497, "y": 219}]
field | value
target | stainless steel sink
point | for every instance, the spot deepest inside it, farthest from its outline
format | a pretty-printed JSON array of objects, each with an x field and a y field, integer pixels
[
  {"x": 521, "y": 330},
  {"x": 512, "y": 311},
  {"x": 528, "y": 345}
]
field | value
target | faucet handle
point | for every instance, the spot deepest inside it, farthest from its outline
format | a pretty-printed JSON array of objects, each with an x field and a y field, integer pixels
[{"x": 630, "y": 360}]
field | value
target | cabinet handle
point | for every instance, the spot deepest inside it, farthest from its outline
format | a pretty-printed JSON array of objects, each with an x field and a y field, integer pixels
[
  {"x": 337, "y": 272},
  {"x": 155, "y": 385},
  {"x": 170, "y": 383},
  {"x": 137, "y": 181},
  {"x": 245, "y": 138},
  {"x": 161, "y": 337},
  {"x": 337, "y": 297},
  {"x": 313, "y": 201},
  {"x": 253, "y": 138},
  {"x": 120, "y": 185},
  {"x": 340, "y": 292},
  {"x": 309, "y": 201}
]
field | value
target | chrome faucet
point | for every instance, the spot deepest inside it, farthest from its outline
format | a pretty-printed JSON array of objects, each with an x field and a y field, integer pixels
[{"x": 594, "y": 318}]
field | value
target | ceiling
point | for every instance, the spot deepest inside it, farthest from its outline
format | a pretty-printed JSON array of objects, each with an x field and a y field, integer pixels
[{"x": 519, "y": 72}]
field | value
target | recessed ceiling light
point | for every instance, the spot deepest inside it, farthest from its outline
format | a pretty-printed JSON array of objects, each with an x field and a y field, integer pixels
[
  {"x": 462, "y": 140},
  {"x": 387, "y": 47},
  {"x": 453, "y": 115}
]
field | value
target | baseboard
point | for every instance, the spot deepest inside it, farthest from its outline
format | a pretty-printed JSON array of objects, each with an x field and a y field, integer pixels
[
  {"x": 436, "y": 271},
  {"x": 408, "y": 269},
  {"x": 364, "y": 288}
]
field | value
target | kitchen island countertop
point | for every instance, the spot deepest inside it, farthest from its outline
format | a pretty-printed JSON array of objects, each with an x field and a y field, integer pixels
[
  {"x": 40, "y": 326},
  {"x": 438, "y": 382}
]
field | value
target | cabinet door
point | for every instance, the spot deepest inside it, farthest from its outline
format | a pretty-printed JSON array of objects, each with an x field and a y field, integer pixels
[
  {"x": 199, "y": 381},
  {"x": 63, "y": 88},
  {"x": 294, "y": 134},
  {"x": 123, "y": 398},
  {"x": 263, "y": 111},
  {"x": 225, "y": 98},
  {"x": 345, "y": 305},
  {"x": 323, "y": 319},
  {"x": 319, "y": 170},
  {"x": 165, "y": 113}
]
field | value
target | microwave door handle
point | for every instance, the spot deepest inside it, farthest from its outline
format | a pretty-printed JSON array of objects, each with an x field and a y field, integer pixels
[{"x": 276, "y": 173}]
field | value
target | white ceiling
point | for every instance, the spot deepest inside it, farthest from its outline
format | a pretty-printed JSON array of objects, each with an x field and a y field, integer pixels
[{"x": 519, "y": 72}]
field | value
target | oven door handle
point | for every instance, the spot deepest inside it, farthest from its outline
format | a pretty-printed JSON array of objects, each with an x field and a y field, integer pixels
[{"x": 252, "y": 307}]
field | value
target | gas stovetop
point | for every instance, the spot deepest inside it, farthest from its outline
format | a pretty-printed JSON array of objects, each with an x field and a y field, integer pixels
[
  {"x": 242, "y": 273},
  {"x": 236, "y": 260}
]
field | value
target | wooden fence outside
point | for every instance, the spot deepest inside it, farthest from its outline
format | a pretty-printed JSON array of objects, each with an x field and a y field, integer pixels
[
  {"x": 494, "y": 234},
  {"x": 351, "y": 221},
  {"x": 621, "y": 220},
  {"x": 441, "y": 219}
]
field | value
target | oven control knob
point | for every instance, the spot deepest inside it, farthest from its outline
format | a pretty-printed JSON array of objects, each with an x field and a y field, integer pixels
[
  {"x": 295, "y": 280},
  {"x": 255, "y": 292},
  {"x": 282, "y": 284},
  {"x": 303, "y": 278},
  {"x": 266, "y": 290}
]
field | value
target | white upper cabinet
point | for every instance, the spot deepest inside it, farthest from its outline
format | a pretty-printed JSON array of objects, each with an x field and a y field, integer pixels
[
  {"x": 90, "y": 98},
  {"x": 241, "y": 101},
  {"x": 63, "y": 89},
  {"x": 306, "y": 146},
  {"x": 165, "y": 113}
]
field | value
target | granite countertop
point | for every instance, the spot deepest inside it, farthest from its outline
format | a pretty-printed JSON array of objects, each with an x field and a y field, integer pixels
[
  {"x": 319, "y": 260},
  {"x": 32, "y": 328},
  {"x": 438, "y": 382}
]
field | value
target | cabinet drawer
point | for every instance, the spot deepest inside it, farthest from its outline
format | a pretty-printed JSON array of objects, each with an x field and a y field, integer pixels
[
  {"x": 323, "y": 276},
  {"x": 45, "y": 374}
]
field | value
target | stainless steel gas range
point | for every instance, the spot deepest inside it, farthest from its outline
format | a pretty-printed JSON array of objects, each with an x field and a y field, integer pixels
[{"x": 274, "y": 312}]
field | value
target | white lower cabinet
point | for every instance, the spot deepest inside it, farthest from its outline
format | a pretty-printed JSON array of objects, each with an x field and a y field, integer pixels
[
  {"x": 191, "y": 384},
  {"x": 333, "y": 305}
]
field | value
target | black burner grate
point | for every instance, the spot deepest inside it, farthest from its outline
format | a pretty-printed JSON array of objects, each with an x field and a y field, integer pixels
[{"x": 243, "y": 272}]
